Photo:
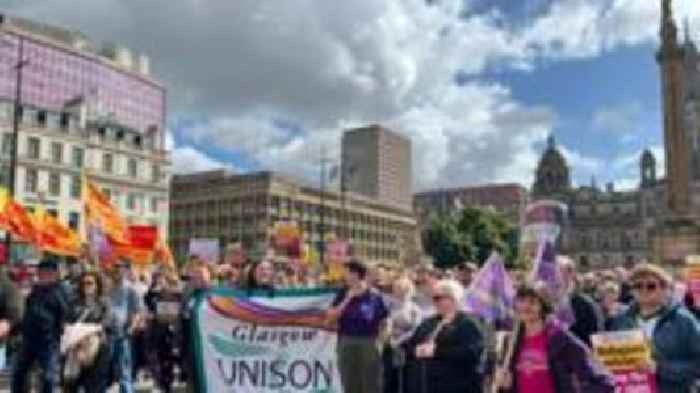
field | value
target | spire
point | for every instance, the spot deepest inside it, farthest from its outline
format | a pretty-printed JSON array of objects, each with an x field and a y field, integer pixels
[
  {"x": 669, "y": 31},
  {"x": 551, "y": 143}
]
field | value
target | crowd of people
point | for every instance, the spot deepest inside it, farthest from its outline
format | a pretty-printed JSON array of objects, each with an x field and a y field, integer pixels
[{"x": 400, "y": 329}]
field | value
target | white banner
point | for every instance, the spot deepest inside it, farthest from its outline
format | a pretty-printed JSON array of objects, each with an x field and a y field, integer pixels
[{"x": 265, "y": 342}]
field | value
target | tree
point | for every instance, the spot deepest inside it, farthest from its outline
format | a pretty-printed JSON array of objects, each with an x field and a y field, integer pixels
[{"x": 470, "y": 235}]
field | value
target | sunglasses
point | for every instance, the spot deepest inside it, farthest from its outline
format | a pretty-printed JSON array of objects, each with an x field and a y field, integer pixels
[
  {"x": 647, "y": 286},
  {"x": 437, "y": 298}
]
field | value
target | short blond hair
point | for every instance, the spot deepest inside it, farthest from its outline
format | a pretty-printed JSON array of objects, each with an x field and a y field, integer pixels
[
  {"x": 647, "y": 269},
  {"x": 451, "y": 289}
]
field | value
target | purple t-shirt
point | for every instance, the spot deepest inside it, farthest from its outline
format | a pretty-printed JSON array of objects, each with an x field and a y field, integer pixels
[{"x": 362, "y": 316}]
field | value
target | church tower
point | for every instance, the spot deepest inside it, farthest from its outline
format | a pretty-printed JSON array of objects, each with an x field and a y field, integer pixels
[
  {"x": 552, "y": 175},
  {"x": 648, "y": 169},
  {"x": 676, "y": 140}
]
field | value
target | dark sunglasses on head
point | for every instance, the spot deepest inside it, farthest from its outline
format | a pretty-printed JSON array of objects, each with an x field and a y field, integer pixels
[{"x": 648, "y": 286}]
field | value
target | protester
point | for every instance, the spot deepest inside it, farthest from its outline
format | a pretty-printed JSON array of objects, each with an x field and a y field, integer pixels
[
  {"x": 42, "y": 326},
  {"x": 673, "y": 331},
  {"x": 588, "y": 318},
  {"x": 163, "y": 302},
  {"x": 10, "y": 311},
  {"x": 609, "y": 295},
  {"x": 92, "y": 307},
  {"x": 446, "y": 350},
  {"x": 547, "y": 358},
  {"x": 361, "y": 314},
  {"x": 198, "y": 278},
  {"x": 127, "y": 318},
  {"x": 404, "y": 317},
  {"x": 465, "y": 273},
  {"x": 261, "y": 275},
  {"x": 626, "y": 296},
  {"x": 426, "y": 278}
]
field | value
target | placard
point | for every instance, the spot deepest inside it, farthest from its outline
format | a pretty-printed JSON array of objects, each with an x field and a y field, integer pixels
[
  {"x": 205, "y": 249},
  {"x": 626, "y": 354}
]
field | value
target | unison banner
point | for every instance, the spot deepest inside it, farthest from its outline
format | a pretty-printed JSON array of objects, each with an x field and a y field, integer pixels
[{"x": 263, "y": 342}]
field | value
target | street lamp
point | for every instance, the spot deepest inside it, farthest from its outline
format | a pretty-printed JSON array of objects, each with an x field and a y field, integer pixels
[{"x": 21, "y": 63}]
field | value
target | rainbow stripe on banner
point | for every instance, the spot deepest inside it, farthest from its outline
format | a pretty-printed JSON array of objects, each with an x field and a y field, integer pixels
[{"x": 248, "y": 310}]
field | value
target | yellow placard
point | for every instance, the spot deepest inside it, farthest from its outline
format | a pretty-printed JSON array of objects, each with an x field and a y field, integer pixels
[{"x": 622, "y": 350}]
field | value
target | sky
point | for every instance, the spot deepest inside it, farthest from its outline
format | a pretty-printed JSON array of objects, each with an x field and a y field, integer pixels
[{"x": 477, "y": 85}]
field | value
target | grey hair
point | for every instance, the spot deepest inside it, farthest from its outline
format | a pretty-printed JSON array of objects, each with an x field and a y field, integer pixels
[{"x": 451, "y": 289}]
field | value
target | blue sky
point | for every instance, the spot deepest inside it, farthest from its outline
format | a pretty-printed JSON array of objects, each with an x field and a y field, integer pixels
[{"x": 476, "y": 84}]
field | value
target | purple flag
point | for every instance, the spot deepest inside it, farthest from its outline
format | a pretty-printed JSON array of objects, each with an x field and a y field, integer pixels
[
  {"x": 491, "y": 293},
  {"x": 99, "y": 245},
  {"x": 546, "y": 273}
]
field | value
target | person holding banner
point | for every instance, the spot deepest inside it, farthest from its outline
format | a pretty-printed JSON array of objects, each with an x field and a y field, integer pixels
[
  {"x": 545, "y": 357},
  {"x": 446, "y": 349},
  {"x": 361, "y": 315},
  {"x": 673, "y": 332}
]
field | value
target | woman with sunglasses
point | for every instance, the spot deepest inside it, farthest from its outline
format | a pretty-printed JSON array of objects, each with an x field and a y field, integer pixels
[
  {"x": 673, "y": 332},
  {"x": 91, "y": 306},
  {"x": 547, "y": 358},
  {"x": 445, "y": 352}
]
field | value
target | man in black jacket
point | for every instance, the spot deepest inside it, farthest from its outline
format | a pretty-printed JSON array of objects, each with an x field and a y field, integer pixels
[
  {"x": 588, "y": 316},
  {"x": 10, "y": 308},
  {"x": 45, "y": 314}
]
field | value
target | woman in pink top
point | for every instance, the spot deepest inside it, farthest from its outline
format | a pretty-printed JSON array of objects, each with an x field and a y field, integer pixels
[{"x": 547, "y": 358}]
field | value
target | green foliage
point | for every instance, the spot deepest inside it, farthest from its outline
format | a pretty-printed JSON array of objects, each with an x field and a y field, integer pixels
[{"x": 470, "y": 236}]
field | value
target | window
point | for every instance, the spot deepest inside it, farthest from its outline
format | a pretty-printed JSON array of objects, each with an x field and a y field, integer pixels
[
  {"x": 133, "y": 167},
  {"x": 52, "y": 212},
  {"x": 78, "y": 157},
  {"x": 107, "y": 163},
  {"x": 41, "y": 118},
  {"x": 4, "y": 175},
  {"x": 65, "y": 121},
  {"x": 74, "y": 221},
  {"x": 6, "y": 144},
  {"x": 131, "y": 202},
  {"x": 154, "y": 204},
  {"x": 6, "y": 111},
  {"x": 75, "y": 187},
  {"x": 155, "y": 173},
  {"x": 30, "y": 180},
  {"x": 33, "y": 148},
  {"x": 28, "y": 116},
  {"x": 55, "y": 184},
  {"x": 52, "y": 120},
  {"x": 138, "y": 141},
  {"x": 57, "y": 152}
]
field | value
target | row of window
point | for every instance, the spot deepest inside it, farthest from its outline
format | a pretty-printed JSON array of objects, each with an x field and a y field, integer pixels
[
  {"x": 66, "y": 122},
  {"x": 134, "y": 201},
  {"x": 73, "y": 217},
  {"x": 77, "y": 158}
]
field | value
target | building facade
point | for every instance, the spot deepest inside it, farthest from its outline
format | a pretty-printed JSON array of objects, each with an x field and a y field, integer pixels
[
  {"x": 507, "y": 199},
  {"x": 83, "y": 111},
  {"x": 658, "y": 221},
  {"x": 243, "y": 208},
  {"x": 377, "y": 163}
]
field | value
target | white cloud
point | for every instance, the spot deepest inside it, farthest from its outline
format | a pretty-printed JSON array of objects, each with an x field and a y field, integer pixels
[
  {"x": 328, "y": 65},
  {"x": 621, "y": 119},
  {"x": 189, "y": 160}
]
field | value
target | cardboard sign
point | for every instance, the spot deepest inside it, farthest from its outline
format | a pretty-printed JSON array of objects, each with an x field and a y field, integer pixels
[
  {"x": 626, "y": 354},
  {"x": 206, "y": 249},
  {"x": 692, "y": 277}
]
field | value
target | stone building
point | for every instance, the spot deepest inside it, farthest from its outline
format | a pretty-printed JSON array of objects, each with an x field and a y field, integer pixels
[
  {"x": 243, "y": 207},
  {"x": 508, "y": 199},
  {"x": 83, "y": 109},
  {"x": 658, "y": 221}
]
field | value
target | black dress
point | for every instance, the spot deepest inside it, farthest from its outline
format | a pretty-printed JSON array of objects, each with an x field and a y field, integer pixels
[{"x": 457, "y": 361}]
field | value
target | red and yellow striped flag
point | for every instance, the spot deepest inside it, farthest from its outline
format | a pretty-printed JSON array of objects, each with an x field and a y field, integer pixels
[
  {"x": 55, "y": 237},
  {"x": 100, "y": 211}
]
